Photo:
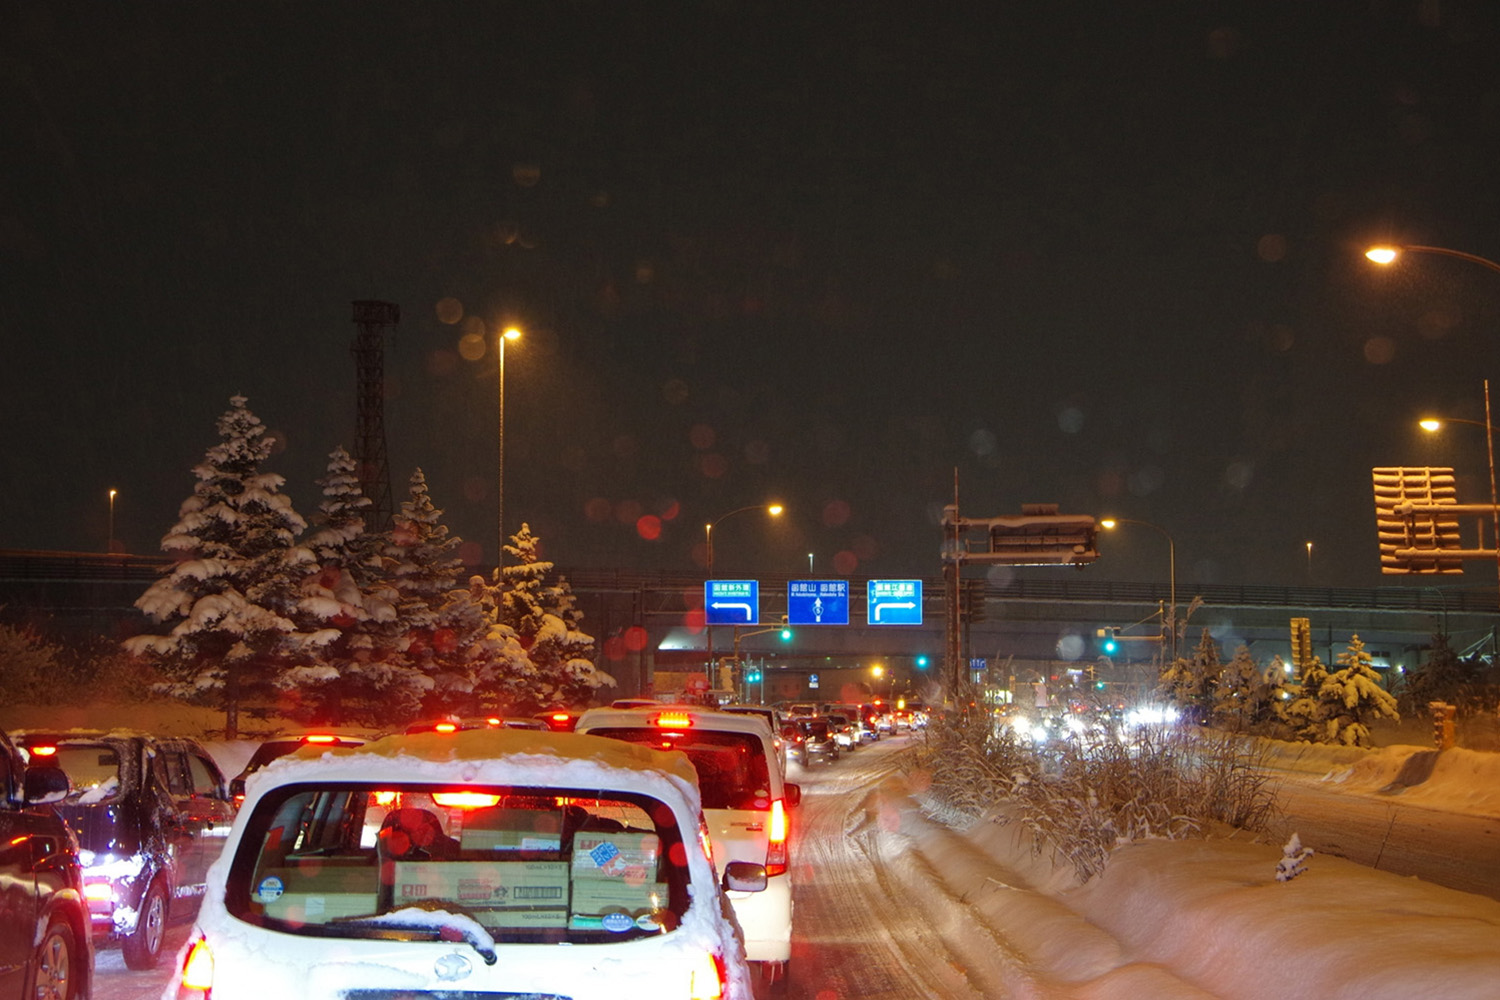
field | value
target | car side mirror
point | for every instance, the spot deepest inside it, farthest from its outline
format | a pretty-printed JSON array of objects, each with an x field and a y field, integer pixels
[
  {"x": 46, "y": 783},
  {"x": 791, "y": 794},
  {"x": 745, "y": 876}
]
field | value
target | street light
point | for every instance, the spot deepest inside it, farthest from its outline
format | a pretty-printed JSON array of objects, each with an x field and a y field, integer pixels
[
  {"x": 774, "y": 510},
  {"x": 1389, "y": 255},
  {"x": 1110, "y": 523},
  {"x": 509, "y": 333},
  {"x": 1433, "y": 424},
  {"x": 110, "y": 547},
  {"x": 1309, "y": 562}
]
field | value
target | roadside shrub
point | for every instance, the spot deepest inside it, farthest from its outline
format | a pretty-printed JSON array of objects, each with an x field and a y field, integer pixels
[{"x": 1083, "y": 796}]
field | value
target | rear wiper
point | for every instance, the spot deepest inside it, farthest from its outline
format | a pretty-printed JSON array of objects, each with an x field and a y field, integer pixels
[{"x": 434, "y": 922}]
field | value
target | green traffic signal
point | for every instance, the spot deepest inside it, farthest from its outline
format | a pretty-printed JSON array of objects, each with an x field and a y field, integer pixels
[
  {"x": 1110, "y": 644},
  {"x": 921, "y": 663}
]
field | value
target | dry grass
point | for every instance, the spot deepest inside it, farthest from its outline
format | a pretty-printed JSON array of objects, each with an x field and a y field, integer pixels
[{"x": 1083, "y": 796}]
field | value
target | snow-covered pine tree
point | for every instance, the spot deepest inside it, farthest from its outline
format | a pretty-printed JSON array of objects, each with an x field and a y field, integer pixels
[
  {"x": 1355, "y": 697},
  {"x": 441, "y": 626},
  {"x": 1240, "y": 698},
  {"x": 1442, "y": 676},
  {"x": 347, "y": 590},
  {"x": 231, "y": 598},
  {"x": 545, "y": 621},
  {"x": 1306, "y": 714},
  {"x": 1191, "y": 683}
]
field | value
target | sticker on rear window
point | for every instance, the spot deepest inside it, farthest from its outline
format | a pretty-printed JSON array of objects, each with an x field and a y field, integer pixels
[
  {"x": 618, "y": 922},
  {"x": 604, "y": 853},
  {"x": 270, "y": 888}
]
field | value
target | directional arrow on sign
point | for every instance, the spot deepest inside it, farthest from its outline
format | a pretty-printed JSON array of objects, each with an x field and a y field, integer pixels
[
  {"x": 727, "y": 606},
  {"x": 880, "y": 606}
]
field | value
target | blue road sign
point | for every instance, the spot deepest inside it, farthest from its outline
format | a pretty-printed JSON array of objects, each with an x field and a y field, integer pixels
[
  {"x": 893, "y": 602},
  {"x": 731, "y": 602},
  {"x": 817, "y": 602}
]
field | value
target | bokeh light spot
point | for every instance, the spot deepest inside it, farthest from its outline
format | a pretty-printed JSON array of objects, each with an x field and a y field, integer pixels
[
  {"x": 442, "y": 362},
  {"x": 1000, "y": 576},
  {"x": 845, "y": 562},
  {"x": 471, "y": 347},
  {"x": 449, "y": 310},
  {"x": 614, "y": 648},
  {"x": 635, "y": 638},
  {"x": 982, "y": 442},
  {"x": 668, "y": 509},
  {"x": 1239, "y": 474},
  {"x": 470, "y": 552},
  {"x": 1380, "y": 350},
  {"x": 598, "y": 510},
  {"x": 648, "y": 526},
  {"x": 1145, "y": 480},
  {"x": 1070, "y": 646},
  {"x": 628, "y": 511},
  {"x": 836, "y": 513},
  {"x": 694, "y": 620},
  {"x": 701, "y": 436},
  {"x": 1070, "y": 419},
  {"x": 713, "y": 465},
  {"x": 1271, "y": 247}
]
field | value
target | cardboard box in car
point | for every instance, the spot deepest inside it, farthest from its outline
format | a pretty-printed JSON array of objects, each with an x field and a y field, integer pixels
[
  {"x": 315, "y": 893},
  {"x": 502, "y": 884},
  {"x": 597, "y": 896}
]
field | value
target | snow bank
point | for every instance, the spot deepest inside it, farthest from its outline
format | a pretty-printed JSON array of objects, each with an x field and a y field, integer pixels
[{"x": 1183, "y": 920}]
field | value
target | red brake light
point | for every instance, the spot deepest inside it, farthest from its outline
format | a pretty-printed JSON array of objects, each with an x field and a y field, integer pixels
[
  {"x": 465, "y": 800},
  {"x": 320, "y": 738},
  {"x": 559, "y": 716},
  {"x": 777, "y": 857},
  {"x": 673, "y": 720},
  {"x": 445, "y": 727},
  {"x": 43, "y": 751}
]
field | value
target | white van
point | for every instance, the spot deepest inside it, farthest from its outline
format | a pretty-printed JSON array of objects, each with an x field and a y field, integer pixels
[
  {"x": 486, "y": 862},
  {"x": 745, "y": 800}
]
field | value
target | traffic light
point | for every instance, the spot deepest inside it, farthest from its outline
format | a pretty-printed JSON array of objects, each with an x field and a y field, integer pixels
[
  {"x": 786, "y": 633},
  {"x": 1108, "y": 642},
  {"x": 921, "y": 663},
  {"x": 752, "y": 676}
]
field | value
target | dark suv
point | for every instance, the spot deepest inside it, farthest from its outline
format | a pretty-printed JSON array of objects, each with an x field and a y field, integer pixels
[
  {"x": 150, "y": 813},
  {"x": 45, "y": 945}
]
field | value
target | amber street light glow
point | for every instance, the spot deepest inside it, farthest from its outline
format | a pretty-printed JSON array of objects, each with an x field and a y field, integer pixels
[{"x": 1382, "y": 255}]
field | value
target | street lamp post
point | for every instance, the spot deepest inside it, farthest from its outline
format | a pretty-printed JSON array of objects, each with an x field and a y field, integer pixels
[
  {"x": 1433, "y": 424},
  {"x": 1110, "y": 523},
  {"x": 774, "y": 509},
  {"x": 110, "y": 545},
  {"x": 1388, "y": 255},
  {"x": 509, "y": 333}
]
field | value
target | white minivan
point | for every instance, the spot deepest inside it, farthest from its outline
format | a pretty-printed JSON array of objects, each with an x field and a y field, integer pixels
[
  {"x": 745, "y": 800},
  {"x": 481, "y": 863}
]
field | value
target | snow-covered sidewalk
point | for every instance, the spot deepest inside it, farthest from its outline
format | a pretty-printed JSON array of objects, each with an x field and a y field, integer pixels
[{"x": 1190, "y": 918}]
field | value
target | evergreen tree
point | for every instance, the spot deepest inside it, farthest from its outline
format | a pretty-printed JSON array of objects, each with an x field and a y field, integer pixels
[
  {"x": 1441, "y": 677},
  {"x": 1354, "y": 697},
  {"x": 545, "y": 620},
  {"x": 1241, "y": 698},
  {"x": 347, "y": 591},
  {"x": 1191, "y": 683},
  {"x": 1306, "y": 714},
  {"x": 231, "y": 598},
  {"x": 441, "y": 627}
]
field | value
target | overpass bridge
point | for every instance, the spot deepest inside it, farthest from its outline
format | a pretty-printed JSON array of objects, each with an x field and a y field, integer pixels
[{"x": 647, "y": 622}]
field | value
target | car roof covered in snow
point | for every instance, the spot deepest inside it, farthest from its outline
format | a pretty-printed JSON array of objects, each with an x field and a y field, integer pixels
[{"x": 491, "y": 756}]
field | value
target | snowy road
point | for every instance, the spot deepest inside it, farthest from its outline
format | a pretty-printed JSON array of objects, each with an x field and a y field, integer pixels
[{"x": 1452, "y": 849}]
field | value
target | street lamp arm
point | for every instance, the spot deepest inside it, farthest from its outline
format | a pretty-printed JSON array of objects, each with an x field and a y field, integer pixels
[{"x": 1461, "y": 255}]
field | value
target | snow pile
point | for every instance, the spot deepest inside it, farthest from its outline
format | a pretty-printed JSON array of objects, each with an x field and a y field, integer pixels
[{"x": 1183, "y": 919}]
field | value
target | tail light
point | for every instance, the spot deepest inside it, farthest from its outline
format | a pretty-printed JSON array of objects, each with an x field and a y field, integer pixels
[
  {"x": 706, "y": 977},
  {"x": 319, "y": 738},
  {"x": 43, "y": 751},
  {"x": 197, "y": 981},
  {"x": 674, "y": 720},
  {"x": 445, "y": 727},
  {"x": 776, "y": 850}
]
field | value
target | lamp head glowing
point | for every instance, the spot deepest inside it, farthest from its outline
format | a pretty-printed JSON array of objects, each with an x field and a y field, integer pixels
[
  {"x": 1383, "y": 255},
  {"x": 775, "y": 509},
  {"x": 1429, "y": 425},
  {"x": 511, "y": 333},
  {"x": 1108, "y": 523}
]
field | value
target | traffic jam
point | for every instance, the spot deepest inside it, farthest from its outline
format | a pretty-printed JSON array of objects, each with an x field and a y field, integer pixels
[{"x": 457, "y": 854}]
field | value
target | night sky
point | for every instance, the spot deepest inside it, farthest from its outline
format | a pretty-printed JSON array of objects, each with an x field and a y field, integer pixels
[{"x": 1100, "y": 254}]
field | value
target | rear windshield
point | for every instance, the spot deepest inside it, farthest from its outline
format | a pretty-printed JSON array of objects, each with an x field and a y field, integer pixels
[
  {"x": 732, "y": 770},
  {"x": 528, "y": 864},
  {"x": 818, "y": 729},
  {"x": 93, "y": 768}
]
